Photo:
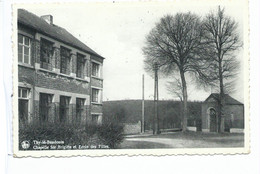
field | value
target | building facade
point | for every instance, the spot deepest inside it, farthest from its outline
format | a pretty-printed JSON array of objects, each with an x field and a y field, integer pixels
[
  {"x": 233, "y": 114},
  {"x": 59, "y": 77}
]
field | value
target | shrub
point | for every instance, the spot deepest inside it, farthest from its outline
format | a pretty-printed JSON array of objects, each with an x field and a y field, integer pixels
[
  {"x": 111, "y": 134},
  {"x": 105, "y": 134},
  {"x": 68, "y": 133},
  {"x": 91, "y": 129}
]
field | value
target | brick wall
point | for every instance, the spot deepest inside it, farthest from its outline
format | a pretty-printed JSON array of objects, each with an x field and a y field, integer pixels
[
  {"x": 96, "y": 82},
  {"x": 88, "y": 114},
  {"x": 58, "y": 82},
  {"x": 37, "y": 51},
  {"x": 35, "y": 111},
  {"x": 87, "y": 69},
  {"x": 238, "y": 116},
  {"x": 96, "y": 108},
  {"x": 73, "y": 63},
  {"x": 33, "y": 51},
  {"x": 56, "y": 56},
  {"x": 236, "y": 110},
  {"x": 26, "y": 74}
]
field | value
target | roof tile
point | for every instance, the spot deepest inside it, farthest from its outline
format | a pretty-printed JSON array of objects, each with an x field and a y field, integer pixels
[
  {"x": 228, "y": 99},
  {"x": 54, "y": 31}
]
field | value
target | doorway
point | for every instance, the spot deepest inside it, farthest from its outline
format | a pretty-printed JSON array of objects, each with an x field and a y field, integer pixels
[{"x": 213, "y": 120}]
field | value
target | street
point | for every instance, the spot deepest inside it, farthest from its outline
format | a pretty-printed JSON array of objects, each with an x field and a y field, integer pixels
[{"x": 183, "y": 140}]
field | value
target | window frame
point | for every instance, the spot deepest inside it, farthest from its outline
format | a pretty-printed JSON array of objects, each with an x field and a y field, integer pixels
[
  {"x": 50, "y": 44},
  {"x": 97, "y": 72},
  {"x": 82, "y": 62},
  {"x": 97, "y": 97},
  {"x": 23, "y": 45},
  {"x": 46, "y": 108},
  {"x": 94, "y": 118},
  {"x": 63, "y": 57},
  {"x": 79, "y": 108},
  {"x": 66, "y": 108},
  {"x": 27, "y": 93},
  {"x": 27, "y": 98}
]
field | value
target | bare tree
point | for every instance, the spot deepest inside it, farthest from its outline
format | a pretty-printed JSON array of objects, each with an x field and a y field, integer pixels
[
  {"x": 175, "y": 88},
  {"x": 220, "y": 66},
  {"x": 174, "y": 43}
]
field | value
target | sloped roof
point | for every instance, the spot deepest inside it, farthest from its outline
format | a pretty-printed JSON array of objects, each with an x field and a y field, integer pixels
[
  {"x": 228, "y": 99},
  {"x": 33, "y": 21}
]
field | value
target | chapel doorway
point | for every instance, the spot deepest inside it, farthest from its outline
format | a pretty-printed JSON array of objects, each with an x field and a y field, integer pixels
[{"x": 213, "y": 120}]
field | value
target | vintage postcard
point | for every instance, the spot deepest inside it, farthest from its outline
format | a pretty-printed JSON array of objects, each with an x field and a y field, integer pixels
[{"x": 130, "y": 78}]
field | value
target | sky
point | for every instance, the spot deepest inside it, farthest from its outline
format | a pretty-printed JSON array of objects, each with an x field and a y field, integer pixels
[{"x": 117, "y": 32}]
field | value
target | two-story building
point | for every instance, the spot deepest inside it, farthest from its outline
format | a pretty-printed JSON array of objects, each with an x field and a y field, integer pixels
[{"x": 59, "y": 77}]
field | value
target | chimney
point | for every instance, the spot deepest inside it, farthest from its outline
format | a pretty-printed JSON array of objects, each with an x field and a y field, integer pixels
[{"x": 48, "y": 19}]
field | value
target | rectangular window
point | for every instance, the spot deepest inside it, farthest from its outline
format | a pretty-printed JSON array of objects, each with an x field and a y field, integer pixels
[
  {"x": 80, "y": 66},
  {"x": 95, "y": 95},
  {"x": 79, "y": 109},
  {"x": 23, "y": 104},
  {"x": 24, "y": 49},
  {"x": 64, "y": 108},
  {"x": 65, "y": 60},
  {"x": 46, "y": 53},
  {"x": 45, "y": 106},
  {"x": 95, "y": 69},
  {"x": 94, "y": 118}
]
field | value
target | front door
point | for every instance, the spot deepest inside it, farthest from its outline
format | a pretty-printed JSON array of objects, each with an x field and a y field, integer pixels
[{"x": 213, "y": 120}]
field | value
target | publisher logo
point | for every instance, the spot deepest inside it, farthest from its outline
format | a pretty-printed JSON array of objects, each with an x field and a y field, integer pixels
[{"x": 25, "y": 144}]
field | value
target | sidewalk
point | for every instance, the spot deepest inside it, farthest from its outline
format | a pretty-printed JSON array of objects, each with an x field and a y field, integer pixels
[
  {"x": 150, "y": 133},
  {"x": 146, "y": 134}
]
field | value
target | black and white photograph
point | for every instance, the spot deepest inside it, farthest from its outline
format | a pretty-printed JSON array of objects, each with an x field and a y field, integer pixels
[{"x": 140, "y": 78}]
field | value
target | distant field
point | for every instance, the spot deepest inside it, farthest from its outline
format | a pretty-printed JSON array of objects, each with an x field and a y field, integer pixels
[
  {"x": 184, "y": 140},
  {"x": 130, "y": 111}
]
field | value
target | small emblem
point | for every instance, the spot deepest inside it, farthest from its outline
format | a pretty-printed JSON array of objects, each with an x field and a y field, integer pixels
[{"x": 25, "y": 144}]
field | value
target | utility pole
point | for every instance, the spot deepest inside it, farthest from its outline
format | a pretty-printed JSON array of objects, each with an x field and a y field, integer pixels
[
  {"x": 142, "y": 126},
  {"x": 156, "y": 129}
]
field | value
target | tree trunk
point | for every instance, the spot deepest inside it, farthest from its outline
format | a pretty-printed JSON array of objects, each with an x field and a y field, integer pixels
[
  {"x": 221, "y": 98},
  {"x": 185, "y": 100}
]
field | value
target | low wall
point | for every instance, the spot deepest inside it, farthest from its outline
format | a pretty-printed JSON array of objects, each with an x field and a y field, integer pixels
[
  {"x": 194, "y": 129},
  {"x": 205, "y": 130},
  {"x": 236, "y": 130},
  {"x": 132, "y": 128}
]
